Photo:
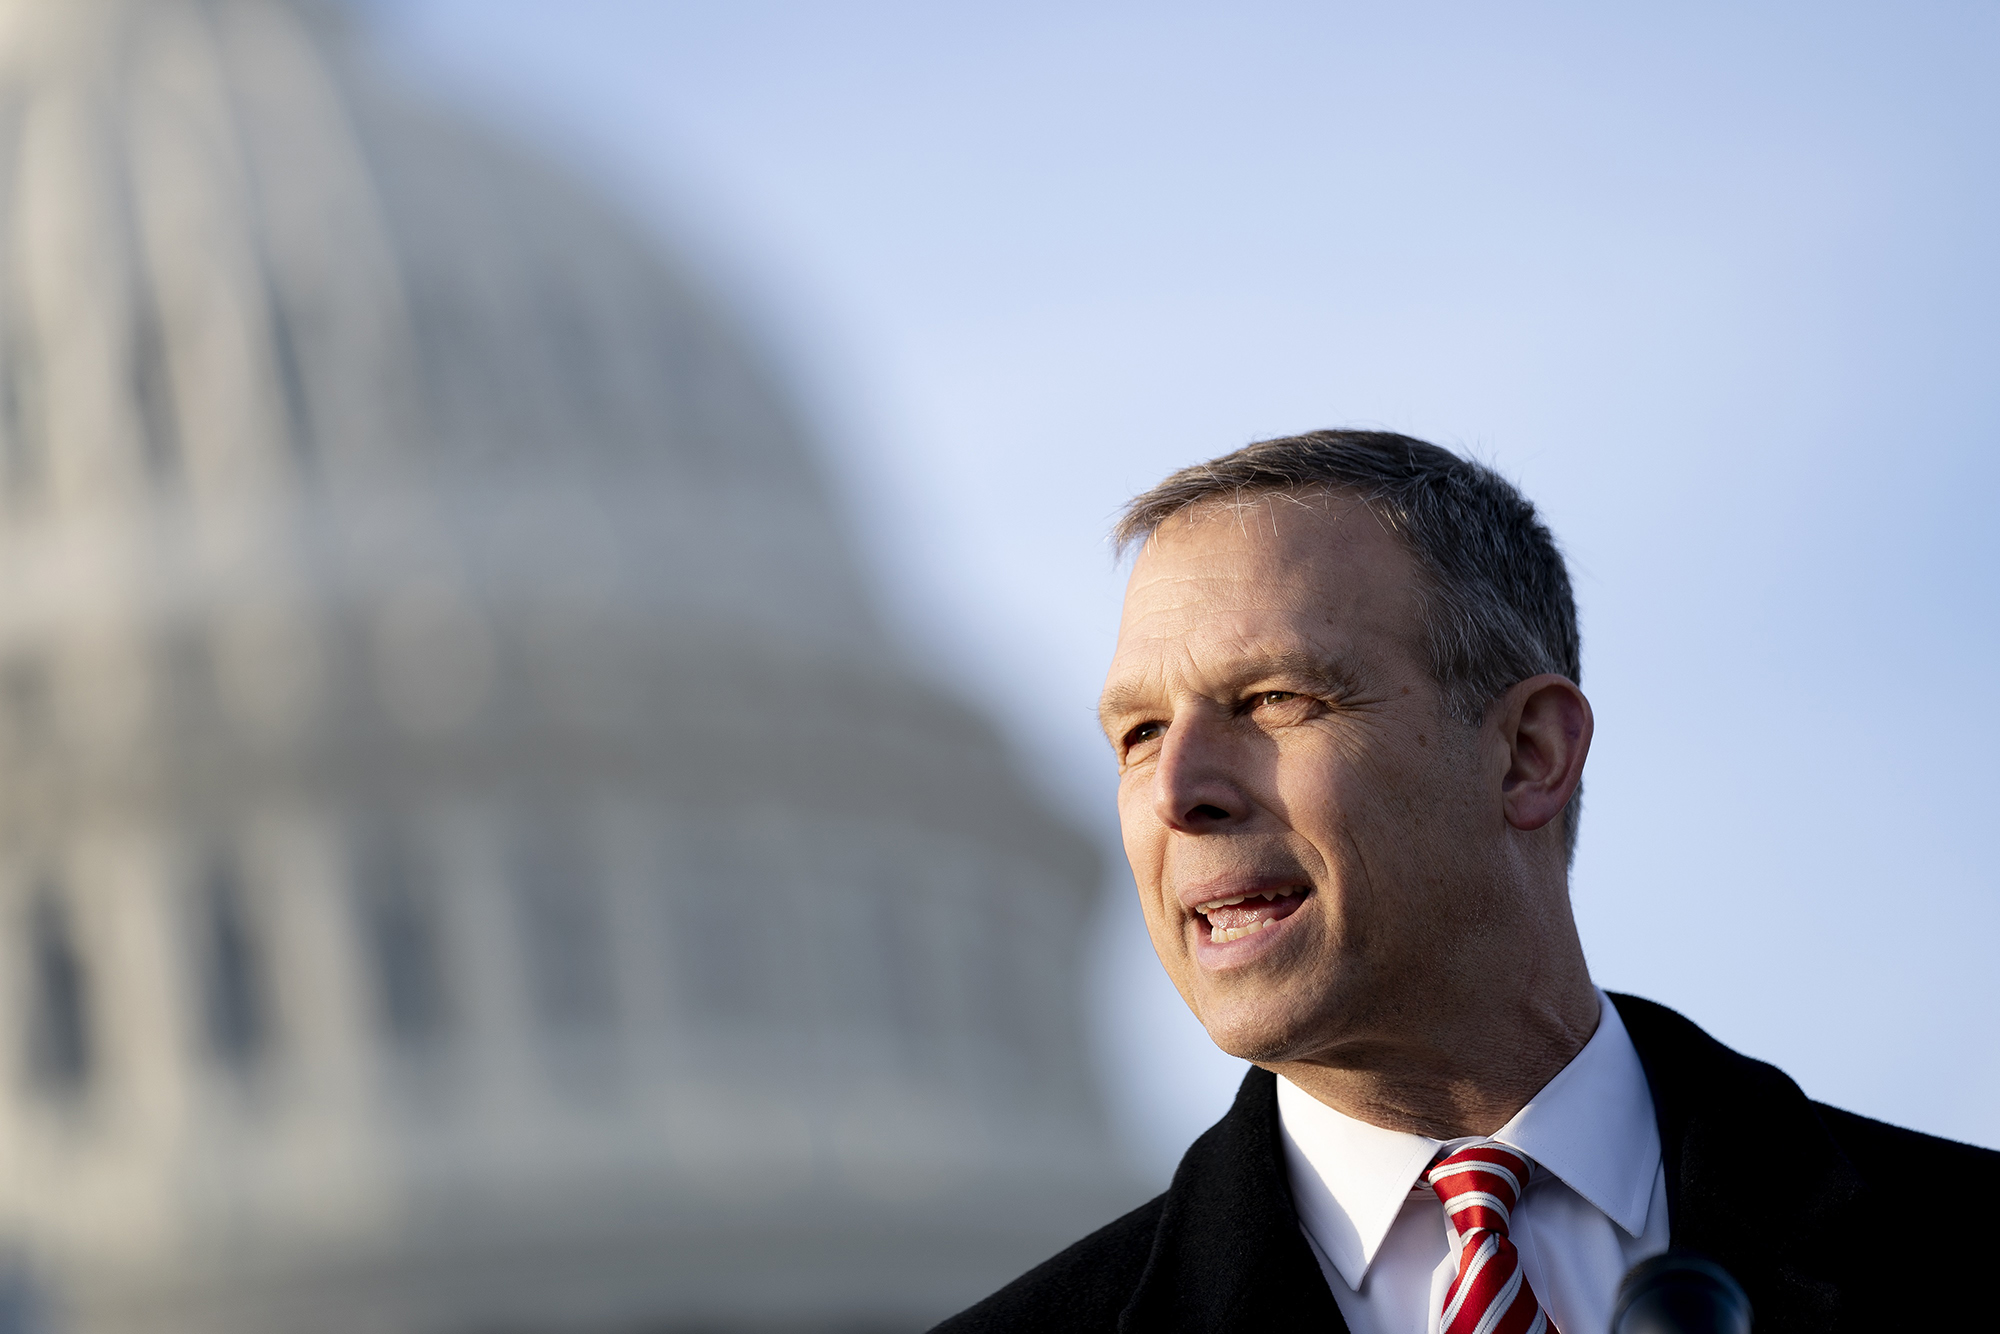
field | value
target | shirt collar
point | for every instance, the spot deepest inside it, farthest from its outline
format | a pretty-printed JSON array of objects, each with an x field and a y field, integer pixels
[{"x": 1592, "y": 1126}]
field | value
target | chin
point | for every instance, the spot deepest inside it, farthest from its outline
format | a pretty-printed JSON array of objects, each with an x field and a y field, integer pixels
[{"x": 1262, "y": 1032}]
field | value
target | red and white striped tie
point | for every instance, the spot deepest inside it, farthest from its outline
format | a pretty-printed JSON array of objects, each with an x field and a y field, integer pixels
[{"x": 1479, "y": 1186}]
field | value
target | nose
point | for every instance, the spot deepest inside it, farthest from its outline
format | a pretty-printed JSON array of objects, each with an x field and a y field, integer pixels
[{"x": 1193, "y": 789}]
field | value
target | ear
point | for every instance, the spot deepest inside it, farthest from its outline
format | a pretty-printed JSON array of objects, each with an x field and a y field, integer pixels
[{"x": 1546, "y": 723}]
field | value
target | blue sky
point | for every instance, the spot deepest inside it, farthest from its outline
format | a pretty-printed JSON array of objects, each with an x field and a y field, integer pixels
[{"x": 1717, "y": 284}]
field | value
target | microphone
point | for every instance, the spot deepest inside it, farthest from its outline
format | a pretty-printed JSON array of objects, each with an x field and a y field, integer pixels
[{"x": 1680, "y": 1293}]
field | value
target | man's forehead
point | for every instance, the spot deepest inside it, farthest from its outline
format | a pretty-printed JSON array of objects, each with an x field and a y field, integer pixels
[
  {"x": 1246, "y": 590},
  {"x": 1287, "y": 558}
]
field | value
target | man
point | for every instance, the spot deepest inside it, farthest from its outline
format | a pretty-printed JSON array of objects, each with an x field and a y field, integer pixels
[{"x": 1350, "y": 741}]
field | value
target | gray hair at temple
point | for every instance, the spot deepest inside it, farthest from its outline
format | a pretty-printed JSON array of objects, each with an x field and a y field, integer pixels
[{"x": 1496, "y": 594}]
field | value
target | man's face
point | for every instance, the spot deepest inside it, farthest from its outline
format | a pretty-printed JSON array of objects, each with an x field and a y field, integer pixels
[{"x": 1307, "y": 825}]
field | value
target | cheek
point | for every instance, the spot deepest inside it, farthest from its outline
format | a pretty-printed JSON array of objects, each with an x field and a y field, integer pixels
[
  {"x": 1316, "y": 789},
  {"x": 1135, "y": 804},
  {"x": 1144, "y": 839},
  {"x": 1364, "y": 809}
]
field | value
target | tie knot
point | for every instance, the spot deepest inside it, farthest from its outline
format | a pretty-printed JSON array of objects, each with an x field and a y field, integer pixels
[{"x": 1479, "y": 1186}]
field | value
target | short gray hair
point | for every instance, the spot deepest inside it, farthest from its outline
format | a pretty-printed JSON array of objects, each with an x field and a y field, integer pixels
[{"x": 1498, "y": 607}]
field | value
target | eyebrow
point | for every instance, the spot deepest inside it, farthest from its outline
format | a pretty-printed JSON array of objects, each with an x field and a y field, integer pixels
[{"x": 1337, "y": 675}]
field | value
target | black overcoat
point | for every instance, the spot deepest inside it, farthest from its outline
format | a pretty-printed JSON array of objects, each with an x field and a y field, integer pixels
[{"x": 1832, "y": 1222}]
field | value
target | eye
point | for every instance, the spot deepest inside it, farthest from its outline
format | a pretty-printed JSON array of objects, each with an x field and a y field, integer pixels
[
  {"x": 1275, "y": 697},
  {"x": 1143, "y": 733}
]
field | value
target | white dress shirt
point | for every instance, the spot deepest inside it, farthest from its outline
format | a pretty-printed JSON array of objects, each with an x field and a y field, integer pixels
[{"x": 1594, "y": 1206}]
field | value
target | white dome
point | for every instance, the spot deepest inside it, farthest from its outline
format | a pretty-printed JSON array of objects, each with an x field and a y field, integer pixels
[{"x": 468, "y": 855}]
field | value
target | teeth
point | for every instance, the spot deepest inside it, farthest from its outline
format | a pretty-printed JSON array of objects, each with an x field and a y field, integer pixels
[
  {"x": 1267, "y": 895},
  {"x": 1222, "y": 935}
]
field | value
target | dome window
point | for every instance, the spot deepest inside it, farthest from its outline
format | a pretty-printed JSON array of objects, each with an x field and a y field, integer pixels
[
  {"x": 61, "y": 1054},
  {"x": 402, "y": 936},
  {"x": 236, "y": 1007}
]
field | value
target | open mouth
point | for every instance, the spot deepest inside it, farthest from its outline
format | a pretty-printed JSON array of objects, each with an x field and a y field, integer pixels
[{"x": 1246, "y": 914}]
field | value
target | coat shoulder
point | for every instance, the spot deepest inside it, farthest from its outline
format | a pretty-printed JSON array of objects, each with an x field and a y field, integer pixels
[
  {"x": 1915, "y": 1187},
  {"x": 1905, "y": 1162},
  {"x": 1082, "y": 1290}
]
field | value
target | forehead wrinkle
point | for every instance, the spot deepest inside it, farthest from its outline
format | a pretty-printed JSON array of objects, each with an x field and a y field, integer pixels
[
  {"x": 1276, "y": 580},
  {"x": 1175, "y": 603}
]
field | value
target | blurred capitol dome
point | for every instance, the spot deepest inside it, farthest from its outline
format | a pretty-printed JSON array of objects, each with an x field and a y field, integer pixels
[{"x": 470, "y": 861}]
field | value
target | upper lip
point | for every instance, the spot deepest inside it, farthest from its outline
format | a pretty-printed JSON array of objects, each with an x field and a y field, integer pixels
[{"x": 1196, "y": 896}]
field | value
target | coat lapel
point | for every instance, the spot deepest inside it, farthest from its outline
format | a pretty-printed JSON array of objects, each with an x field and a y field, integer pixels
[
  {"x": 1229, "y": 1254},
  {"x": 1754, "y": 1179}
]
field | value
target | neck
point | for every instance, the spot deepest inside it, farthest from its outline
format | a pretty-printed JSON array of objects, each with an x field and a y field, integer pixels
[{"x": 1460, "y": 1070}]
